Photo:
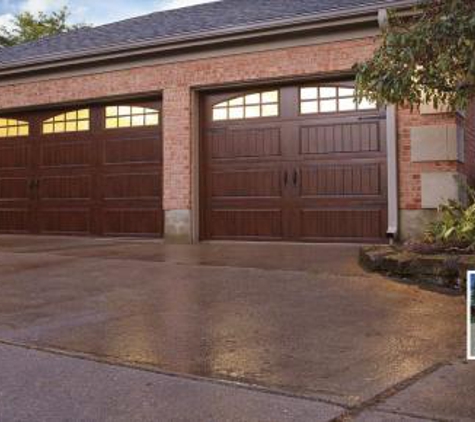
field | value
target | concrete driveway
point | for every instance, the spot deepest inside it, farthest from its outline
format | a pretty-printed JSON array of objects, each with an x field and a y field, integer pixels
[{"x": 294, "y": 320}]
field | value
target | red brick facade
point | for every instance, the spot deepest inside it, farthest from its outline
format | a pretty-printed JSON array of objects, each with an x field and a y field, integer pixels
[
  {"x": 176, "y": 82},
  {"x": 409, "y": 172}
]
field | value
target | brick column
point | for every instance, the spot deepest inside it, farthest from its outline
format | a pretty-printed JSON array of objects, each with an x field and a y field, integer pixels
[
  {"x": 177, "y": 159},
  {"x": 431, "y": 154}
]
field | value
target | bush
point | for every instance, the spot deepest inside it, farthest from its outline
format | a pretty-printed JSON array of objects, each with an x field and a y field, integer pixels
[{"x": 455, "y": 225}]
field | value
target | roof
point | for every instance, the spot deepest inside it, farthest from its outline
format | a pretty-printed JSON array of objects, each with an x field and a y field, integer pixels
[{"x": 167, "y": 25}]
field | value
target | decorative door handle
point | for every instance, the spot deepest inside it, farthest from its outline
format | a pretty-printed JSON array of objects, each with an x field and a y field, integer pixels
[
  {"x": 286, "y": 177},
  {"x": 31, "y": 184},
  {"x": 295, "y": 177}
]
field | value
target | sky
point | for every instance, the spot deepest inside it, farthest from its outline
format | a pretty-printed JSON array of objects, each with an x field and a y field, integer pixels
[{"x": 93, "y": 12}]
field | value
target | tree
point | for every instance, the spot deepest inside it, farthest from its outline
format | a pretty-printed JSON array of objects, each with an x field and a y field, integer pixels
[
  {"x": 428, "y": 57},
  {"x": 28, "y": 27}
]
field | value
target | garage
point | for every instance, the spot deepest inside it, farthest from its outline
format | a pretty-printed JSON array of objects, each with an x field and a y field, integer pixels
[
  {"x": 86, "y": 170},
  {"x": 297, "y": 163}
]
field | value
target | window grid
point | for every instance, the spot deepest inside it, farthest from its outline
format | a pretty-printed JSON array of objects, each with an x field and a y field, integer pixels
[
  {"x": 331, "y": 99},
  {"x": 73, "y": 121},
  {"x": 10, "y": 128},
  {"x": 258, "y": 105},
  {"x": 130, "y": 116}
]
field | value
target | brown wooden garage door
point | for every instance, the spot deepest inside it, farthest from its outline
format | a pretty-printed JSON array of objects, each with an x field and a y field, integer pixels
[
  {"x": 91, "y": 170},
  {"x": 293, "y": 163}
]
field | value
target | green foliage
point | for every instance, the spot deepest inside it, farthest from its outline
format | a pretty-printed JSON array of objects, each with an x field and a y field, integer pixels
[
  {"x": 455, "y": 224},
  {"x": 29, "y": 27},
  {"x": 428, "y": 57}
]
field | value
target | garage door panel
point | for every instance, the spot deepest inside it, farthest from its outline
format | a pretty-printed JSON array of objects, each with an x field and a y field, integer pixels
[
  {"x": 247, "y": 183},
  {"x": 65, "y": 153},
  {"x": 260, "y": 142},
  {"x": 132, "y": 221},
  {"x": 66, "y": 187},
  {"x": 14, "y": 220},
  {"x": 65, "y": 220},
  {"x": 132, "y": 186},
  {"x": 14, "y": 189},
  {"x": 339, "y": 138},
  {"x": 131, "y": 150},
  {"x": 342, "y": 180},
  {"x": 247, "y": 224},
  {"x": 14, "y": 154},
  {"x": 342, "y": 224}
]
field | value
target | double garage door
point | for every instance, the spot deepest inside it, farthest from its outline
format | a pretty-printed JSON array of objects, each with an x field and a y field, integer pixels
[
  {"x": 302, "y": 163},
  {"x": 91, "y": 170}
]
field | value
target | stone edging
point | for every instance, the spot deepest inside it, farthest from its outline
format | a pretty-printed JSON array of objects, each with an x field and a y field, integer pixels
[{"x": 440, "y": 270}]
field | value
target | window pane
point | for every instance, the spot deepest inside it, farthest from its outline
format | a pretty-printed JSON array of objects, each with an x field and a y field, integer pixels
[
  {"x": 124, "y": 121},
  {"x": 83, "y": 114},
  {"x": 327, "y": 92},
  {"x": 137, "y": 110},
  {"x": 111, "y": 111},
  {"x": 3, "y": 122},
  {"x": 83, "y": 125},
  {"x": 72, "y": 115},
  {"x": 48, "y": 128},
  {"x": 70, "y": 126},
  {"x": 253, "y": 99},
  {"x": 346, "y": 92},
  {"x": 151, "y": 119},
  {"x": 309, "y": 93},
  {"x": 220, "y": 114},
  {"x": 236, "y": 113},
  {"x": 60, "y": 127},
  {"x": 270, "y": 110},
  {"x": 253, "y": 111},
  {"x": 270, "y": 97},
  {"x": 111, "y": 123},
  {"x": 236, "y": 101},
  {"x": 13, "y": 131},
  {"x": 308, "y": 107},
  {"x": 327, "y": 106},
  {"x": 3, "y": 132},
  {"x": 124, "y": 111},
  {"x": 347, "y": 104},
  {"x": 138, "y": 120}
]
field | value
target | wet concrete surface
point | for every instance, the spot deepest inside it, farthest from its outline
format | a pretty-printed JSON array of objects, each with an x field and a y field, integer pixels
[
  {"x": 81, "y": 390},
  {"x": 457, "y": 385},
  {"x": 304, "y": 319}
]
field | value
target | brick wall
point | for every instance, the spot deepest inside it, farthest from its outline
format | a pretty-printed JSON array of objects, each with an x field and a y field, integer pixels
[{"x": 409, "y": 172}]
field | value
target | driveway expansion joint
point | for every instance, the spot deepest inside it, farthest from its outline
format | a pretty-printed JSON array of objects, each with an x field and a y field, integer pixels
[
  {"x": 115, "y": 362},
  {"x": 391, "y": 391}
]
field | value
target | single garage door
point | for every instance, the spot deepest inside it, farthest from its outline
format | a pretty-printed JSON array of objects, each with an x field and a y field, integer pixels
[
  {"x": 293, "y": 163},
  {"x": 91, "y": 170}
]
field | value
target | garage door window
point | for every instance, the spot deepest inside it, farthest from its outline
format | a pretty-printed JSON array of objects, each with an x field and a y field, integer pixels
[
  {"x": 128, "y": 116},
  {"x": 261, "y": 104},
  {"x": 331, "y": 99},
  {"x": 73, "y": 121},
  {"x": 10, "y": 128}
]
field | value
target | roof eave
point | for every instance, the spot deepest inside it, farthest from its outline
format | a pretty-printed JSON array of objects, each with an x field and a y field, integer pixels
[{"x": 333, "y": 19}]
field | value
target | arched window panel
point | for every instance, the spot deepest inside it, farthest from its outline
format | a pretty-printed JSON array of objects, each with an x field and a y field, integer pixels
[
  {"x": 131, "y": 116},
  {"x": 252, "y": 106},
  {"x": 331, "y": 99},
  {"x": 73, "y": 121},
  {"x": 10, "y": 128}
]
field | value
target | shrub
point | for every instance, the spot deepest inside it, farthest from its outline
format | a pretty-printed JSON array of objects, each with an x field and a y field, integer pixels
[{"x": 455, "y": 225}]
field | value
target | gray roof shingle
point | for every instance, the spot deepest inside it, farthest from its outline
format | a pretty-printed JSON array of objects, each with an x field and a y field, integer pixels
[{"x": 203, "y": 18}]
